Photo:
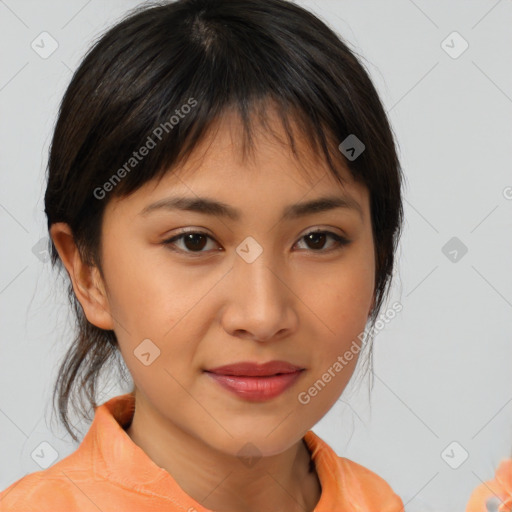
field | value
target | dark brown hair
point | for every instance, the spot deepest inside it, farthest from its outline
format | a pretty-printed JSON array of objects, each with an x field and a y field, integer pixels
[{"x": 215, "y": 55}]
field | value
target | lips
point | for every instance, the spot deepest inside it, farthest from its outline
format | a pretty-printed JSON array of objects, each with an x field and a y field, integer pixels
[{"x": 250, "y": 369}]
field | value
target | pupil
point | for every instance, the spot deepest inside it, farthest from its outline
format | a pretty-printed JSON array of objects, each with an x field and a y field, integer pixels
[
  {"x": 315, "y": 236},
  {"x": 191, "y": 241}
]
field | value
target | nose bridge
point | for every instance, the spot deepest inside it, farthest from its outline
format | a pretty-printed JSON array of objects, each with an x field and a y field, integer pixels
[
  {"x": 258, "y": 299},
  {"x": 256, "y": 277}
]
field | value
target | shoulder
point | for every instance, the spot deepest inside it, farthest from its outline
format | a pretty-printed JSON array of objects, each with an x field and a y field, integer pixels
[
  {"x": 48, "y": 491},
  {"x": 348, "y": 483},
  {"x": 57, "y": 488},
  {"x": 366, "y": 486}
]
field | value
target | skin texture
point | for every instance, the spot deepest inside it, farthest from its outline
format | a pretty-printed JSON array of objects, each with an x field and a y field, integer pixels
[{"x": 302, "y": 301}]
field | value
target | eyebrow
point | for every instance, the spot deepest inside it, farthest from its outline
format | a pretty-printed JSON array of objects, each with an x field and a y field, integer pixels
[{"x": 216, "y": 208}]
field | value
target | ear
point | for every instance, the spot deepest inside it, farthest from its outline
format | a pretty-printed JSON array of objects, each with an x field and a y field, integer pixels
[{"x": 86, "y": 279}]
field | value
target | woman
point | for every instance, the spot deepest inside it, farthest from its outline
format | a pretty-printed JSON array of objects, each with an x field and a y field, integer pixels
[{"x": 224, "y": 195}]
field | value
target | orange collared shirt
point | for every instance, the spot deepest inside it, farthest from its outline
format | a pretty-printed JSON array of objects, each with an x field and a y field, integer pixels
[
  {"x": 110, "y": 473},
  {"x": 498, "y": 490}
]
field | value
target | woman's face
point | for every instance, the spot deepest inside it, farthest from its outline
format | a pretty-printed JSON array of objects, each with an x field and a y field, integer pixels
[{"x": 252, "y": 287}]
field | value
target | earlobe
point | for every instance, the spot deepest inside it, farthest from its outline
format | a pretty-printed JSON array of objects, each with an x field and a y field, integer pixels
[{"x": 86, "y": 279}]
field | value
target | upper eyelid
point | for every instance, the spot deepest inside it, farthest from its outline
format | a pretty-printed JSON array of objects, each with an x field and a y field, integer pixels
[
  {"x": 199, "y": 231},
  {"x": 178, "y": 236}
]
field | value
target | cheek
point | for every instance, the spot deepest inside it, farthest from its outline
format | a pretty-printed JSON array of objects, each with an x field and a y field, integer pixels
[
  {"x": 343, "y": 297},
  {"x": 148, "y": 294},
  {"x": 153, "y": 298},
  {"x": 343, "y": 307}
]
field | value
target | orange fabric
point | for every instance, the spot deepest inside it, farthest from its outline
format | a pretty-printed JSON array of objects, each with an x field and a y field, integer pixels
[
  {"x": 109, "y": 473},
  {"x": 500, "y": 488}
]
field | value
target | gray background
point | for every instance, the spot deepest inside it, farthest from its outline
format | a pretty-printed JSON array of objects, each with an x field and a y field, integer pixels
[{"x": 442, "y": 366}]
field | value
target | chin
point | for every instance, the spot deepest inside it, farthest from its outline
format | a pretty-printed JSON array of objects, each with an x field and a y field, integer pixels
[{"x": 256, "y": 443}]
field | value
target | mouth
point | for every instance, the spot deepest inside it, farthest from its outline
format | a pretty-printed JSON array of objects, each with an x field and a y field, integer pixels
[
  {"x": 252, "y": 369},
  {"x": 256, "y": 382}
]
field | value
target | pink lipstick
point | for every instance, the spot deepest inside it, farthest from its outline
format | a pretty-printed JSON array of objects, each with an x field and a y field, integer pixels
[{"x": 256, "y": 382}]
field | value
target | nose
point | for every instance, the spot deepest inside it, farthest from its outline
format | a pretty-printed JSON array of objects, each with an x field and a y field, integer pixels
[{"x": 260, "y": 304}]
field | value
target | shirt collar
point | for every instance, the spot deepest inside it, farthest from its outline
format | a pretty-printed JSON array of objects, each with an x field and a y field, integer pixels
[{"x": 116, "y": 457}]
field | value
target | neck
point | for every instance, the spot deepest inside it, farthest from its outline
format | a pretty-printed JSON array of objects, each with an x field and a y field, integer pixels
[{"x": 220, "y": 481}]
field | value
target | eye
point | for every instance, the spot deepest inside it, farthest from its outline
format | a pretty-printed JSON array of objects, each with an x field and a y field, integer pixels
[
  {"x": 193, "y": 241},
  {"x": 316, "y": 240},
  {"x": 196, "y": 241}
]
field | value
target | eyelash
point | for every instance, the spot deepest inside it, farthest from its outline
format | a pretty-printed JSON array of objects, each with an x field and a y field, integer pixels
[{"x": 340, "y": 241}]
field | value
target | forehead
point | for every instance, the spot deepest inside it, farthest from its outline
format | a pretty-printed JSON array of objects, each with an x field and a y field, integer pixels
[
  {"x": 225, "y": 154},
  {"x": 225, "y": 165}
]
